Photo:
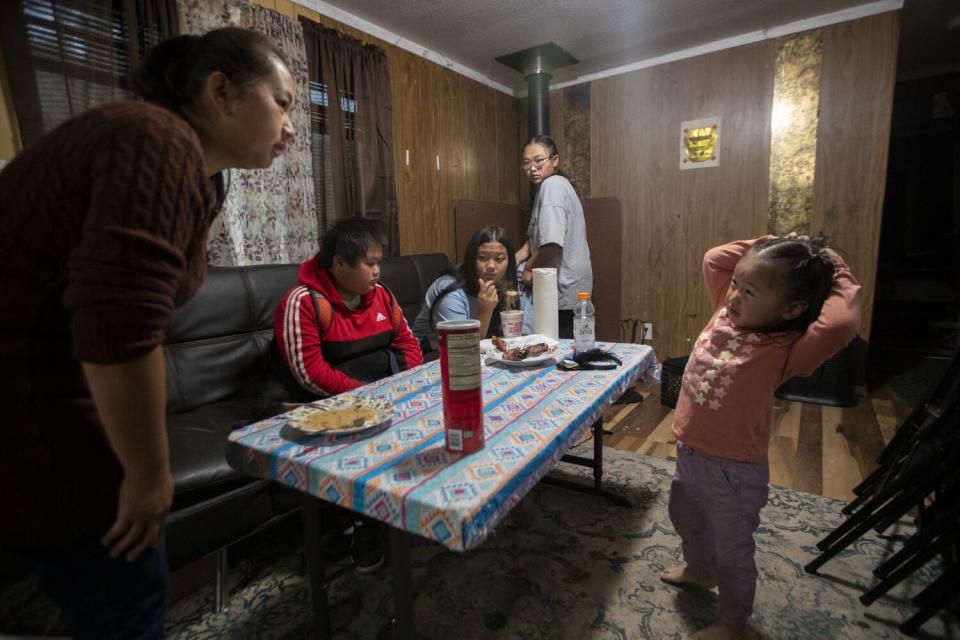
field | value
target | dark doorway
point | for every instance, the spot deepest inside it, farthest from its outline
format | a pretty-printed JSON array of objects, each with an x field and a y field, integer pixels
[{"x": 917, "y": 304}]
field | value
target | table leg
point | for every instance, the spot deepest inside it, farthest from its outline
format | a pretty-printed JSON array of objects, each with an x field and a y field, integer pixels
[
  {"x": 596, "y": 463},
  {"x": 598, "y": 455},
  {"x": 404, "y": 624},
  {"x": 312, "y": 531}
]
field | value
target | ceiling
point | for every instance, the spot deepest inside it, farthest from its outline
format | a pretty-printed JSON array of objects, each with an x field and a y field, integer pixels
[{"x": 610, "y": 36}]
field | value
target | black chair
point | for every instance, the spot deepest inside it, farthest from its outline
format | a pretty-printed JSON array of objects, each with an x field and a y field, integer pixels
[
  {"x": 832, "y": 383},
  {"x": 917, "y": 471}
]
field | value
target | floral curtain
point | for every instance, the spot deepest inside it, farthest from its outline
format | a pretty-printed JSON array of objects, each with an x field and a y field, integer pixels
[{"x": 269, "y": 215}]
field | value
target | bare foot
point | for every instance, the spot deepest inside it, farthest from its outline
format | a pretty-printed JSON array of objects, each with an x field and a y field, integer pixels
[
  {"x": 681, "y": 575},
  {"x": 718, "y": 631}
]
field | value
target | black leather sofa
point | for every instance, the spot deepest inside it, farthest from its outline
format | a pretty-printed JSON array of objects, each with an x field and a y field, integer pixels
[{"x": 218, "y": 367}]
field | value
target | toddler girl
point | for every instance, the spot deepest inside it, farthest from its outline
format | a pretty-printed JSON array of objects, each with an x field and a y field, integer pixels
[{"x": 782, "y": 306}]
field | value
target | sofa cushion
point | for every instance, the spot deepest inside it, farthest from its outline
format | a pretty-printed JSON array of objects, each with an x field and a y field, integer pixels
[
  {"x": 218, "y": 344},
  {"x": 198, "y": 529},
  {"x": 197, "y": 448}
]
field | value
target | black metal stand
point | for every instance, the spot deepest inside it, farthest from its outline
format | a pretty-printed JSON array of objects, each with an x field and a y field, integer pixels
[
  {"x": 917, "y": 471},
  {"x": 403, "y": 620},
  {"x": 399, "y": 543},
  {"x": 595, "y": 463},
  {"x": 312, "y": 532}
]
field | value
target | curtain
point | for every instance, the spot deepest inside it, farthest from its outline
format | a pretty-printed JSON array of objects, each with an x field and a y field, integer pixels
[
  {"x": 351, "y": 130},
  {"x": 269, "y": 215},
  {"x": 66, "y": 56}
]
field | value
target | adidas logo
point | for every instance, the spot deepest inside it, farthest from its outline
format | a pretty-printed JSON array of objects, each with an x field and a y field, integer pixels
[{"x": 381, "y": 317}]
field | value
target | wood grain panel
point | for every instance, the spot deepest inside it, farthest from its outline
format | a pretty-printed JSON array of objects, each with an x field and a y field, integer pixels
[
  {"x": 507, "y": 148},
  {"x": 430, "y": 225},
  {"x": 405, "y": 160},
  {"x": 672, "y": 217},
  {"x": 856, "y": 100},
  {"x": 604, "y": 220}
]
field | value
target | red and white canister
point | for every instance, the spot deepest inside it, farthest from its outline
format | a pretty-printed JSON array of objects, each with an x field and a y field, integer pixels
[{"x": 462, "y": 386}]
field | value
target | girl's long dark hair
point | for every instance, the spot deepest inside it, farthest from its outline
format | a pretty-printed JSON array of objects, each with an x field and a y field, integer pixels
[
  {"x": 806, "y": 274},
  {"x": 466, "y": 277}
]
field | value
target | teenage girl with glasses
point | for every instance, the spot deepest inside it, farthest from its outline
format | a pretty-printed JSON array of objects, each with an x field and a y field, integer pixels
[{"x": 557, "y": 235}]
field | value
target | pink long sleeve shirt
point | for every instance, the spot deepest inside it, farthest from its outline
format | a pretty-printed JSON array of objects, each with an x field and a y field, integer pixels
[{"x": 725, "y": 405}]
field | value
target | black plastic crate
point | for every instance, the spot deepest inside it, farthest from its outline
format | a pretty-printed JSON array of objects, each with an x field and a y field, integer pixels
[{"x": 671, "y": 376}]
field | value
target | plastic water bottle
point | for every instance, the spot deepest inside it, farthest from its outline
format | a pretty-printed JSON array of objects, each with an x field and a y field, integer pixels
[{"x": 584, "y": 323}]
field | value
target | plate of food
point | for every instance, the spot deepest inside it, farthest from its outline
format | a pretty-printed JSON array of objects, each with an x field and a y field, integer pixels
[
  {"x": 339, "y": 415},
  {"x": 525, "y": 351}
]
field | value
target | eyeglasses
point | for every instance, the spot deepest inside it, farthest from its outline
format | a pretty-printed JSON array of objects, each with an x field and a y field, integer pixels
[{"x": 537, "y": 163}]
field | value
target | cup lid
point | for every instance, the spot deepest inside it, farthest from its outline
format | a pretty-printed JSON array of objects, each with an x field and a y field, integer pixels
[{"x": 468, "y": 323}]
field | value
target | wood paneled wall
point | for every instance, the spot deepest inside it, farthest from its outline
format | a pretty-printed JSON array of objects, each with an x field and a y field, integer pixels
[
  {"x": 853, "y": 142},
  {"x": 672, "y": 217},
  {"x": 446, "y": 120}
]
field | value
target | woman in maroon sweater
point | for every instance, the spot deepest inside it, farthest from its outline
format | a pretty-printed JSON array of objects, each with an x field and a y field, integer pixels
[{"x": 106, "y": 222}]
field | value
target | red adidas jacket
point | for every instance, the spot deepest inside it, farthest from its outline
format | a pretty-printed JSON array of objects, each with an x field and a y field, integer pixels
[{"x": 317, "y": 358}]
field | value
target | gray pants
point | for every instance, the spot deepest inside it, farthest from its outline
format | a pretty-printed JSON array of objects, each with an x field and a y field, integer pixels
[{"x": 715, "y": 507}]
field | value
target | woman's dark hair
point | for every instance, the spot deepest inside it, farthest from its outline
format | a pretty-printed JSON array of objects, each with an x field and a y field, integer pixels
[
  {"x": 805, "y": 272},
  {"x": 173, "y": 73},
  {"x": 350, "y": 239},
  {"x": 466, "y": 276}
]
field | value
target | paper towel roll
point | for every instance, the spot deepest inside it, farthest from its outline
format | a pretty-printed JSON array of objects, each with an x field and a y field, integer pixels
[{"x": 545, "y": 302}]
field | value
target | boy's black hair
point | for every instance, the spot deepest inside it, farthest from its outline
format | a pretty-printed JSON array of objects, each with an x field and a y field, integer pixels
[
  {"x": 350, "y": 238},
  {"x": 805, "y": 273}
]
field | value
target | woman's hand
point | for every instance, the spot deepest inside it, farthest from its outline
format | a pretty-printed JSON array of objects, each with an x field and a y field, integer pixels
[
  {"x": 142, "y": 509},
  {"x": 487, "y": 296},
  {"x": 527, "y": 278}
]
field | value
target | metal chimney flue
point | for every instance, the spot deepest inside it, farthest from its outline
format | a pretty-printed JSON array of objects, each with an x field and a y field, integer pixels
[{"x": 537, "y": 64}]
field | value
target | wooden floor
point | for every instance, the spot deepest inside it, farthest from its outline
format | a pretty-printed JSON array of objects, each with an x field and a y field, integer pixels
[{"x": 814, "y": 448}]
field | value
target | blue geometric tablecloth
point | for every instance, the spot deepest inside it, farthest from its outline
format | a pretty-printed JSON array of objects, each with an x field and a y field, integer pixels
[{"x": 404, "y": 477}]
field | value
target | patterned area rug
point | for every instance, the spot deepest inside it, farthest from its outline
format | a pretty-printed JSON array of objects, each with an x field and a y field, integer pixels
[{"x": 570, "y": 565}]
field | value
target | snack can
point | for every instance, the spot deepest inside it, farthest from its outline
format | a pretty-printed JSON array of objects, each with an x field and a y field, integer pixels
[{"x": 462, "y": 388}]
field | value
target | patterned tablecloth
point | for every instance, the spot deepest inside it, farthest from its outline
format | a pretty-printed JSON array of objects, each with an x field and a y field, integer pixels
[{"x": 404, "y": 477}]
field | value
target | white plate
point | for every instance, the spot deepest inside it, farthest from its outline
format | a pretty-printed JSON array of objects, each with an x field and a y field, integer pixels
[
  {"x": 492, "y": 354},
  {"x": 381, "y": 410}
]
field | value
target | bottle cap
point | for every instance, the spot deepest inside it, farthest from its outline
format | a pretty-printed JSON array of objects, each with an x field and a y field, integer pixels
[{"x": 583, "y": 295}]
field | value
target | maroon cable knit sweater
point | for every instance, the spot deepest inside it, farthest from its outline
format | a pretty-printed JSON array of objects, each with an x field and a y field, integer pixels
[{"x": 103, "y": 228}]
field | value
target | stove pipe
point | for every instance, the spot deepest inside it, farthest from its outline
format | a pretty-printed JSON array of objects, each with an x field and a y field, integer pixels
[
  {"x": 537, "y": 64},
  {"x": 537, "y": 75}
]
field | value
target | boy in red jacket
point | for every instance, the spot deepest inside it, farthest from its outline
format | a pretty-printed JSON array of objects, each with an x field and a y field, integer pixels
[{"x": 339, "y": 329}]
